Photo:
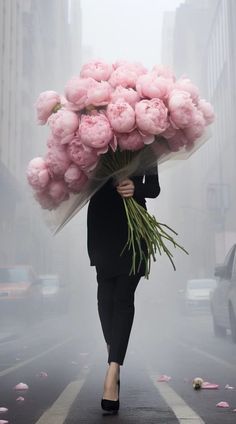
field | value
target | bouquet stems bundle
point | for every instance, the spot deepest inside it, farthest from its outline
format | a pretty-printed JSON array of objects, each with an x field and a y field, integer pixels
[{"x": 142, "y": 227}]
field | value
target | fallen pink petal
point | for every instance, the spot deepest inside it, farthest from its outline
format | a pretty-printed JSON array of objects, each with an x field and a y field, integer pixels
[
  {"x": 228, "y": 387},
  {"x": 20, "y": 399},
  {"x": 222, "y": 404},
  {"x": 207, "y": 385},
  {"x": 2, "y": 410},
  {"x": 164, "y": 378},
  {"x": 234, "y": 410},
  {"x": 42, "y": 375},
  {"x": 4, "y": 422},
  {"x": 21, "y": 386}
]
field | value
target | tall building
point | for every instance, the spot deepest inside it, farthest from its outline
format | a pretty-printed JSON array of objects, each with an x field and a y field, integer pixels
[
  {"x": 202, "y": 188},
  {"x": 218, "y": 73},
  {"x": 40, "y": 45}
]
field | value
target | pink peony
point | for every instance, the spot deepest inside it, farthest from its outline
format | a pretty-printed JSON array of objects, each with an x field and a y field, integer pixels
[
  {"x": 95, "y": 132},
  {"x": 75, "y": 178},
  {"x": 196, "y": 130},
  {"x": 128, "y": 95},
  {"x": 99, "y": 95},
  {"x": 46, "y": 102},
  {"x": 120, "y": 62},
  {"x": 121, "y": 116},
  {"x": 64, "y": 124},
  {"x": 207, "y": 111},
  {"x": 125, "y": 76},
  {"x": 76, "y": 92},
  {"x": 169, "y": 132},
  {"x": 58, "y": 191},
  {"x": 38, "y": 173},
  {"x": 181, "y": 108},
  {"x": 163, "y": 71},
  {"x": 153, "y": 86},
  {"x": 184, "y": 84},
  {"x": 57, "y": 160},
  {"x": 53, "y": 142},
  {"x": 45, "y": 201},
  {"x": 85, "y": 158},
  {"x": 151, "y": 116},
  {"x": 136, "y": 66},
  {"x": 96, "y": 69},
  {"x": 176, "y": 142},
  {"x": 130, "y": 141}
]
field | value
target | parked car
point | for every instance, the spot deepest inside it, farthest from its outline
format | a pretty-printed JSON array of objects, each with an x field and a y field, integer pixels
[
  {"x": 20, "y": 292},
  {"x": 55, "y": 293},
  {"x": 223, "y": 299},
  {"x": 197, "y": 294}
]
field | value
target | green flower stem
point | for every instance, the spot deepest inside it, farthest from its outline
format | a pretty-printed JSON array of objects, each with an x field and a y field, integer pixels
[{"x": 143, "y": 226}]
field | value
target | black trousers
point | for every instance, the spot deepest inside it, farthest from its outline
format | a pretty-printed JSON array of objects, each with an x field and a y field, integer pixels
[{"x": 115, "y": 296}]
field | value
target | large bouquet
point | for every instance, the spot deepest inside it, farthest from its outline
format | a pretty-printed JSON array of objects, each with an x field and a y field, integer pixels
[{"x": 116, "y": 120}]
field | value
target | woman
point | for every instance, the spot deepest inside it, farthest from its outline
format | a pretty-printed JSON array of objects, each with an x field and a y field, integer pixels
[{"x": 107, "y": 235}]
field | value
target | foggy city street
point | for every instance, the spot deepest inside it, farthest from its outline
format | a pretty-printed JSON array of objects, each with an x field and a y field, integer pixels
[{"x": 180, "y": 365}]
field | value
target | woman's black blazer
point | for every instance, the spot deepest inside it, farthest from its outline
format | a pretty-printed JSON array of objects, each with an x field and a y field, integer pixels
[{"x": 107, "y": 224}]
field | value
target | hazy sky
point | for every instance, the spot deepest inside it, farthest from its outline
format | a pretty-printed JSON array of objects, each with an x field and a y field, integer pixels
[{"x": 129, "y": 29}]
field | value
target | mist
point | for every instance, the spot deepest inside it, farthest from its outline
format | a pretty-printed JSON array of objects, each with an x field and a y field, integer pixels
[{"x": 185, "y": 318}]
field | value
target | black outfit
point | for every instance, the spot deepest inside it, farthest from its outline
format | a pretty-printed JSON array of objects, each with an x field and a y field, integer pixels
[{"x": 107, "y": 235}]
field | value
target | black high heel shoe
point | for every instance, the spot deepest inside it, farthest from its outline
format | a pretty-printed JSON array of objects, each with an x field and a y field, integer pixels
[{"x": 111, "y": 405}]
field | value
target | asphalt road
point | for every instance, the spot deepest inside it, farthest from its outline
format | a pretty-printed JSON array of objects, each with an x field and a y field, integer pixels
[{"x": 73, "y": 356}]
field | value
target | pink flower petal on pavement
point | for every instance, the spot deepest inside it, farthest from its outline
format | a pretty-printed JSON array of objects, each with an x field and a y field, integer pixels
[
  {"x": 234, "y": 410},
  {"x": 207, "y": 385},
  {"x": 20, "y": 399},
  {"x": 42, "y": 375},
  {"x": 3, "y": 410},
  {"x": 4, "y": 422},
  {"x": 21, "y": 387},
  {"x": 164, "y": 378},
  {"x": 222, "y": 404},
  {"x": 229, "y": 387}
]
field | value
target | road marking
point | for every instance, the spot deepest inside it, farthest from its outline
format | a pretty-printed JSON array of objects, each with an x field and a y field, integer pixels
[
  {"x": 60, "y": 408},
  {"x": 28, "y": 361},
  {"x": 182, "y": 411},
  {"x": 209, "y": 355}
]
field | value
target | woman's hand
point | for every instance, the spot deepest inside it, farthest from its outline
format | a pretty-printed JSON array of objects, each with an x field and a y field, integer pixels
[{"x": 126, "y": 188}]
